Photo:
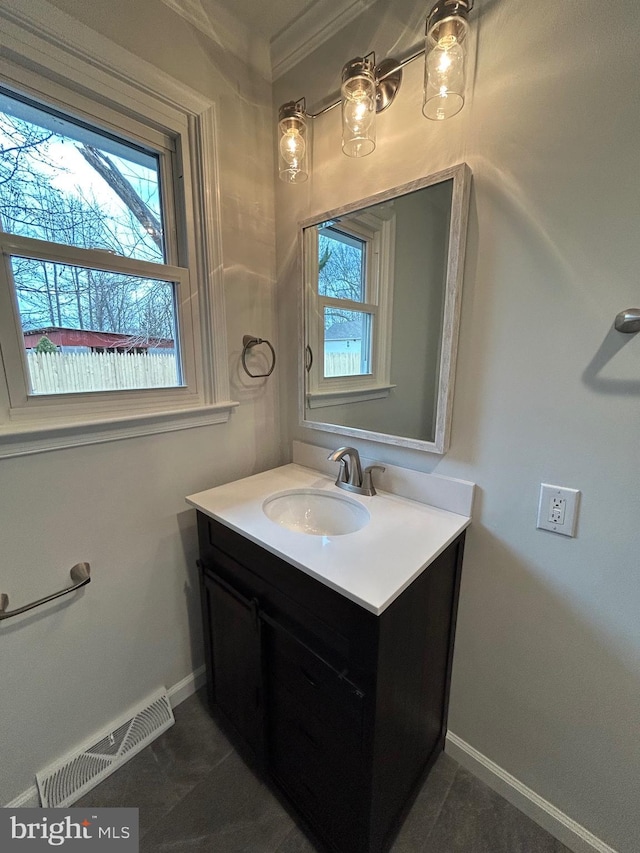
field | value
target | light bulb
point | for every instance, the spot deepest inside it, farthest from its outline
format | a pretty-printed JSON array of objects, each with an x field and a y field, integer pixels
[
  {"x": 359, "y": 112},
  {"x": 293, "y": 148},
  {"x": 444, "y": 83},
  {"x": 358, "y": 108}
]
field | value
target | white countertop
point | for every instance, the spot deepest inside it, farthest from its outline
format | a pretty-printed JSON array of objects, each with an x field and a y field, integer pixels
[{"x": 371, "y": 566}]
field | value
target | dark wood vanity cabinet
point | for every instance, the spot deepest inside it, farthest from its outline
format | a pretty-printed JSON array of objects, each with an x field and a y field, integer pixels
[{"x": 342, "y": 710}]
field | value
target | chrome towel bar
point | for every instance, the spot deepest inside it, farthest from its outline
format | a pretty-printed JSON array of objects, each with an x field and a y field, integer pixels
[
  {"x": 80, "y": 575},
  {"x": 628, "y": 321}
]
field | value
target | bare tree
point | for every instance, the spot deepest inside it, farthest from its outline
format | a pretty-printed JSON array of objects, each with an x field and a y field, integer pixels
[
  {"x": 65, "y": 295},
  {"x": 340, "y": 276},
  {"x": 108, "y": 170}
]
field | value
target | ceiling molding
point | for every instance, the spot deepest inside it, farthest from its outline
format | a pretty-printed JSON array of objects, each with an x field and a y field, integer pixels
[
  {"x": 311, "y": 29},
  {"x": 41, "y": 35}
]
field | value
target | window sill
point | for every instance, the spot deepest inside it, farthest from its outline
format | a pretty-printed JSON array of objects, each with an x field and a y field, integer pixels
[
  {"x": 25, "y": 440},
  {"x": 320, "y": 399}
]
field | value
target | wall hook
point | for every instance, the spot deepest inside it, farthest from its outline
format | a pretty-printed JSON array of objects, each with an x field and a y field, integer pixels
[
  {"x": 248, "y": 342},
  {"x": 628, "y": 321}
]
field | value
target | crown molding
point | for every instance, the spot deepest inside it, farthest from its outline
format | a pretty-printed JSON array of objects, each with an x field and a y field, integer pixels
[
  {"x": 46, "y": 37},
  {"x": 311, "y": 29}
]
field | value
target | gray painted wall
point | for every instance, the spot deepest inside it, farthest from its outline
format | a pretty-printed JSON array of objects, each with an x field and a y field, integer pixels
[
  {"x": 68, "y": 672},
  {"x": 546, "y": 678}
]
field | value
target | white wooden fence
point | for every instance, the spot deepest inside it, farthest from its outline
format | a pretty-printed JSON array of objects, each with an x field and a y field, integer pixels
[
  {"x": 63, "y": 372},
  {"x": 341, "y": 363}
]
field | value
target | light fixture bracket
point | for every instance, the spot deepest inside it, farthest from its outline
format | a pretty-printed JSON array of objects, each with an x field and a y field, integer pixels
[
  {"x": 449, "y": 17},
  {"x": 360, "y": 66},
  {"x": 292, "y": 111},
  {"x": 388, "y": 76}
]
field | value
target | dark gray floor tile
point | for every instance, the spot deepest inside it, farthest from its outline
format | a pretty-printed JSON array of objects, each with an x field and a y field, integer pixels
[
  {"x": 230, "y": 811},
  {"x": 189, "y": 750},
  {"x": 427, "y": 806},
  {"x": 195, "y": 795},
  {"x": 140, "y": 783},
  {"x": 296, "y": 842},
  {"x": 156, "y": 779},
  {"x": 474, "y": 819}
]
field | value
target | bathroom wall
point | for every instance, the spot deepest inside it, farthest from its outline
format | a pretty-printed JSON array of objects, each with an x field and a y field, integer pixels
[
  {"x": 69, "y": 669},
  {"x": 546, "y": 679}
]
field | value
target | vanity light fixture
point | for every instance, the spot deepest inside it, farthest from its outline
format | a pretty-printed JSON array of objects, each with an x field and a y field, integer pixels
[
  {"x": 368, "y": 89},
  {"x": 292, "y": 123},
  {"x": 444, "y": 68}
]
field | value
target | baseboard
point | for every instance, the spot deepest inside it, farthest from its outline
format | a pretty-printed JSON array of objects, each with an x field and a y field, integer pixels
[
  {"x": 177, "y": 694},
  {"x": 571, "y": 834},
  {"x": 187, "y": 687}
]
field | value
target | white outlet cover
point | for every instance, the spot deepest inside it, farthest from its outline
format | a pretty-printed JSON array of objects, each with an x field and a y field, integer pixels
[{"x": 571, "y": 498}]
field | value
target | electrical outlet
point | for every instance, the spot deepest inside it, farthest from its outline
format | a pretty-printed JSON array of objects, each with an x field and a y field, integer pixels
[{"x": 558, "y": 509}]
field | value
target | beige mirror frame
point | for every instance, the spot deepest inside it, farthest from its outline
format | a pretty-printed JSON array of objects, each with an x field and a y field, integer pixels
[{"x": 460, "y": 175}]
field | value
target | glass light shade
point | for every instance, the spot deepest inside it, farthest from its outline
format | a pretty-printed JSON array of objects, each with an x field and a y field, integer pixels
[
  {"x": 358, "y": 108},
  {"x": 444, "y": 76},
  {"x": 292, "y": 149}
]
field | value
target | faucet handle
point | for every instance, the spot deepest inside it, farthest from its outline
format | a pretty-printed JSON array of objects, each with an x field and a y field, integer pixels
[
  {"x": 367, "y": 480},
  {"x": 343, "y": 473}
]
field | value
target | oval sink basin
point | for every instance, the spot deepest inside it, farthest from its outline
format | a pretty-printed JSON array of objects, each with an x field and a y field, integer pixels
[{"x": 316, "y": 512}]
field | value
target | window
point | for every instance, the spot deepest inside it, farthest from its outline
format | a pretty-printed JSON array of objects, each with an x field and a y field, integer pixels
[
  {"x": 110, "y": 289},
  {"x": 67, "y": 190},
  {"x": 350, "y": 275}
]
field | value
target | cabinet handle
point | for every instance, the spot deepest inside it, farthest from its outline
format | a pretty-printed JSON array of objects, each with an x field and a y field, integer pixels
[
  {"x": 254, "y": 605},
  {"x": 309, "y": 789},
  {"x": 300, "y": 643},
  {"x": 311, "y": 680},
  {"x": 308, "y": 736}
]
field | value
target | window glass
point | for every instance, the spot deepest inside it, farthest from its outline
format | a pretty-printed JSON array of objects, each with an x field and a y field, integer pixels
[
  {"x": 64, "y": 182},
  {"x": 341, "y": 265},
  {"x": 347, "y": 342},
  {"x": 93, "y": 330},
  {"x": 85, "y": 328}
]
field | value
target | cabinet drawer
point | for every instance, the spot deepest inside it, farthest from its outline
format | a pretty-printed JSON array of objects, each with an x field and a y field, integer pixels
[
  {"x": 322, "y": 771},
  {"x": 333, "y": 751},
  {"x": 316, "y": 685}
]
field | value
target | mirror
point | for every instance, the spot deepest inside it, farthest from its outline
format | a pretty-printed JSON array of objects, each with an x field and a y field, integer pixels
[{"x": 382, "y": 292}]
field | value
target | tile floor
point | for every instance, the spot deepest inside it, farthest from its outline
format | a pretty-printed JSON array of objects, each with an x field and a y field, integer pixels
[{"x": 195, "y": 795}]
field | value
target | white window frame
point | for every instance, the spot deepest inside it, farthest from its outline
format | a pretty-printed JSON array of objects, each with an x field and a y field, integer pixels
[
  {"x": 378, "y": 235},
  {"x": 104, "y": 85}
]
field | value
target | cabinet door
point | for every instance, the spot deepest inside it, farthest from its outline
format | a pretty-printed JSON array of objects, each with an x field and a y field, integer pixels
[{"x": 234, "y": 635}]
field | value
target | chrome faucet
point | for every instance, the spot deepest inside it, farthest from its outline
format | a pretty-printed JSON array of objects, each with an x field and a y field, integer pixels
[{"x": 350, "y": 475}]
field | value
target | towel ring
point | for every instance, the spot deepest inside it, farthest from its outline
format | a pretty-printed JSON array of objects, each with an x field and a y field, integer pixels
[{"x": 248, "y": 342}]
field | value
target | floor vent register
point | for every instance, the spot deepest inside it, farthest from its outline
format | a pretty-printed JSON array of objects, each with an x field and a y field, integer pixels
[{"x": 66, "y": 780}]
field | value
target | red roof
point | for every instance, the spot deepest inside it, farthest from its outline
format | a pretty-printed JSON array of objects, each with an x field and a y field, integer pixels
[{"x": 64, "y": 337}]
